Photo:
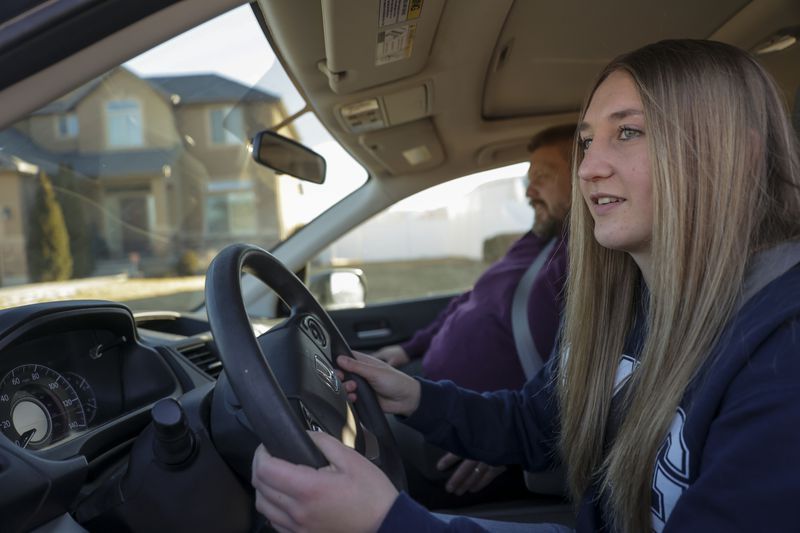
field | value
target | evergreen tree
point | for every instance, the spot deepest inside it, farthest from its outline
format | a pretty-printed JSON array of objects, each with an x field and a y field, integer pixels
[
  {"x": 49, "y": 258},
  {"x": 74, "y": 208}
]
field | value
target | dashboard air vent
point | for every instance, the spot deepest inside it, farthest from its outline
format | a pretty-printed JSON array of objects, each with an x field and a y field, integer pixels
[{"x": 202, "y": 356}]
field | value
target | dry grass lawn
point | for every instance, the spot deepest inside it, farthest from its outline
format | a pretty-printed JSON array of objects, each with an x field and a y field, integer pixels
[{"x": 386, "y": 281}]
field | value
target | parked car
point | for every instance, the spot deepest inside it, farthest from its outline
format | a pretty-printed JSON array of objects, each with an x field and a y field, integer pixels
[{"x": 126, "y": 169}]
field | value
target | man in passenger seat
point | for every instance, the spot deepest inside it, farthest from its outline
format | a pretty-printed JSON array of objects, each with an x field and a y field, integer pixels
[{"x": 472, "y": 342}]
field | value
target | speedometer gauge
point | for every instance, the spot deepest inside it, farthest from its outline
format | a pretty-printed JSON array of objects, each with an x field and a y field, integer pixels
[
  {"x": 38, "y": 407},
  {"x": 85, "y": 394}
]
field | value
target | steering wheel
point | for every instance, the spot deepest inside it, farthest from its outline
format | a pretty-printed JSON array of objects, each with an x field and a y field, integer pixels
[{"x": 285, "y": 378}]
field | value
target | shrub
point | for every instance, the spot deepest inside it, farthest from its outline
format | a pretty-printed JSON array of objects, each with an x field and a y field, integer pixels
[
  {"x": 49, "y": 257},
  {"x": 188, "y": 263},
  {"x": 74, "y": 209}
]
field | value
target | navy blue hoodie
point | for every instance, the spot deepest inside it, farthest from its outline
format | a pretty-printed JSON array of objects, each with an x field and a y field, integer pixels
[{"x": 731, "y": 459}]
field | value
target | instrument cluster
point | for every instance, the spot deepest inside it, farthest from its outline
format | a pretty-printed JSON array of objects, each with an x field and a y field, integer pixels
[
  {"x": 40, "y": 406},
  {"x": 70, "y": 368}
]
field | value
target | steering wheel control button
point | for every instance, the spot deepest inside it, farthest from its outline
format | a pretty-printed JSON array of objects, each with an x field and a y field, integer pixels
[
  {"x": 326, "y": 374},
  {"x": 309, "y": 418},
  {"x": 315, "y": 331},
  {"x": 174, "y": 443}
]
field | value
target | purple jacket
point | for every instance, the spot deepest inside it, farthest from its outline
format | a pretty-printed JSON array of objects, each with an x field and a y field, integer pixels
[{"x": 472, "y": 342}]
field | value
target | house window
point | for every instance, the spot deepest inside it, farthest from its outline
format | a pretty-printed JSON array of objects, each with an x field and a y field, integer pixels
[
  {"x": 217, "y": 215},
  {"x": 124, "y": 124},
  {"x": 67, "y": 126},
  {"x": 232, "y": 213},
  {"x": 227, "y": 125}
]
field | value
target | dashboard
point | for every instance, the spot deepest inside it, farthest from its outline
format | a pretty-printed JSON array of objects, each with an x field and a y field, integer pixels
[
  {"x": 68, "y": 369},
  {"x": 80, "y": 382}
]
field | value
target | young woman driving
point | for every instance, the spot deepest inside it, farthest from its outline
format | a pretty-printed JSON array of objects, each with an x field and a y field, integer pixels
[{"x": 675, "y": 398}]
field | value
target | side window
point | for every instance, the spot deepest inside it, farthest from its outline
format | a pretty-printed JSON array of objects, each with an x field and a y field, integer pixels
[{"x": 436, "y": 242}]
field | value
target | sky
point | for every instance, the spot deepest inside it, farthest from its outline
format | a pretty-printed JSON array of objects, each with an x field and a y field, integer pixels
[{"x": 199, "y": 50}]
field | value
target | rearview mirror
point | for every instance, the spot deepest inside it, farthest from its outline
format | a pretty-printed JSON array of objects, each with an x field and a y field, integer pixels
[{"x": 286, "y": 156}]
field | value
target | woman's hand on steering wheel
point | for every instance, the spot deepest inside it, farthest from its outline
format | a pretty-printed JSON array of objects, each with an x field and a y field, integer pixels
[
  {"x": 397, "y": 393},
  {"x": 350, "y": 494}
]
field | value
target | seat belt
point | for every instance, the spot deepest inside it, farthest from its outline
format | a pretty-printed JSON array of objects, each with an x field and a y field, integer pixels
[
  {"x": 529, "y": 356},
  {"x": 767, "y": 266},
  {"x": 551, "y": 482}
]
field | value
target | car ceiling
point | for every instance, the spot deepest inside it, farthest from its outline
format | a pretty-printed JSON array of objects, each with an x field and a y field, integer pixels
[{"x": 484, "y": 76}]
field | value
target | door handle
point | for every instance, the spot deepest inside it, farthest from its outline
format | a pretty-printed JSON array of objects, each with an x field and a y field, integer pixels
[{"x": 378, "y": 333}]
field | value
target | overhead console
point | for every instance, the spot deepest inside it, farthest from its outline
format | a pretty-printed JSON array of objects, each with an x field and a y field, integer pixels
[
  {"x": 364, "y": 69},
  {"x": 373, "y": 43},
  {"x": 412, "y": 147},
  {"x": 385, "y": 110}
]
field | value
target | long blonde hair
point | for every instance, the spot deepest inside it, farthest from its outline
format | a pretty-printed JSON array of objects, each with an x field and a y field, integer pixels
[{"x": 726, "y": 182}]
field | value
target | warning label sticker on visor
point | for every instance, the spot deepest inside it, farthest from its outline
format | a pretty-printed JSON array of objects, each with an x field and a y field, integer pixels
[
  {"x": 396, "y": 11},
  {"x": 395, "y": 44}
]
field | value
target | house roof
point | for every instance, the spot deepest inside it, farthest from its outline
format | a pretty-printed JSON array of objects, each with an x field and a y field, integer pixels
[
  {"x": 209, "y": 88},
  {"x": 16, "y": 144},
  {"x": 96, "y": 165},
  {"x": 191, "y": 89},
  {"x": 68, "y": 102}
]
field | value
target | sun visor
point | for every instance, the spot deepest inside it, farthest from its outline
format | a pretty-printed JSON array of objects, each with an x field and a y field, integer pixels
[
  {"x": 502, "y": 153},
  {"x": 371, "y": 42},
  {"x": 543, "y": 63},
  {"x": 405, "y": 149}
]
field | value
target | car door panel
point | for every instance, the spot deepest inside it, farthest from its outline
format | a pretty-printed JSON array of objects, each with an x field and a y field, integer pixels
[{"x": 371, "y": 327}]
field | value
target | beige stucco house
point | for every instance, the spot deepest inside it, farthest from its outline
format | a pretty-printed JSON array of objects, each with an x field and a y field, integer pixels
[{"x": 157, "y": 166}]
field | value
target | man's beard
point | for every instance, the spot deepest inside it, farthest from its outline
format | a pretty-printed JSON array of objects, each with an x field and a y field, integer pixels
[{"x": 547, "y": 228}]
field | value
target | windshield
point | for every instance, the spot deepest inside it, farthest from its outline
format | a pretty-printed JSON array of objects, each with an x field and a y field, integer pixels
[{"x": 126, "y": 187}]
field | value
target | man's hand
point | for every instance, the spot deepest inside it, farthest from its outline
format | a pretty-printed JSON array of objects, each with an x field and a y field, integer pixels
[
  {"x": 398, "y": 393},
  {"x": 394, "y": 355},
  {"x": 469, "y": 476},
  {"x": 350, "y": 494}
]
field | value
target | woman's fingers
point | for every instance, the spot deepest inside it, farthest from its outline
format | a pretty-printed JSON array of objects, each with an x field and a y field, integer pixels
[
  {"x": 274, "y": 511},
  {"x": 397, "y": 392},
  {"x": 273, "y": 473},
  {"x": 273, "y": 504},
  {"x": 364, "y": 365},
  {"x": 338, "y": 455},
  {"x": 301, "y": 498}
]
